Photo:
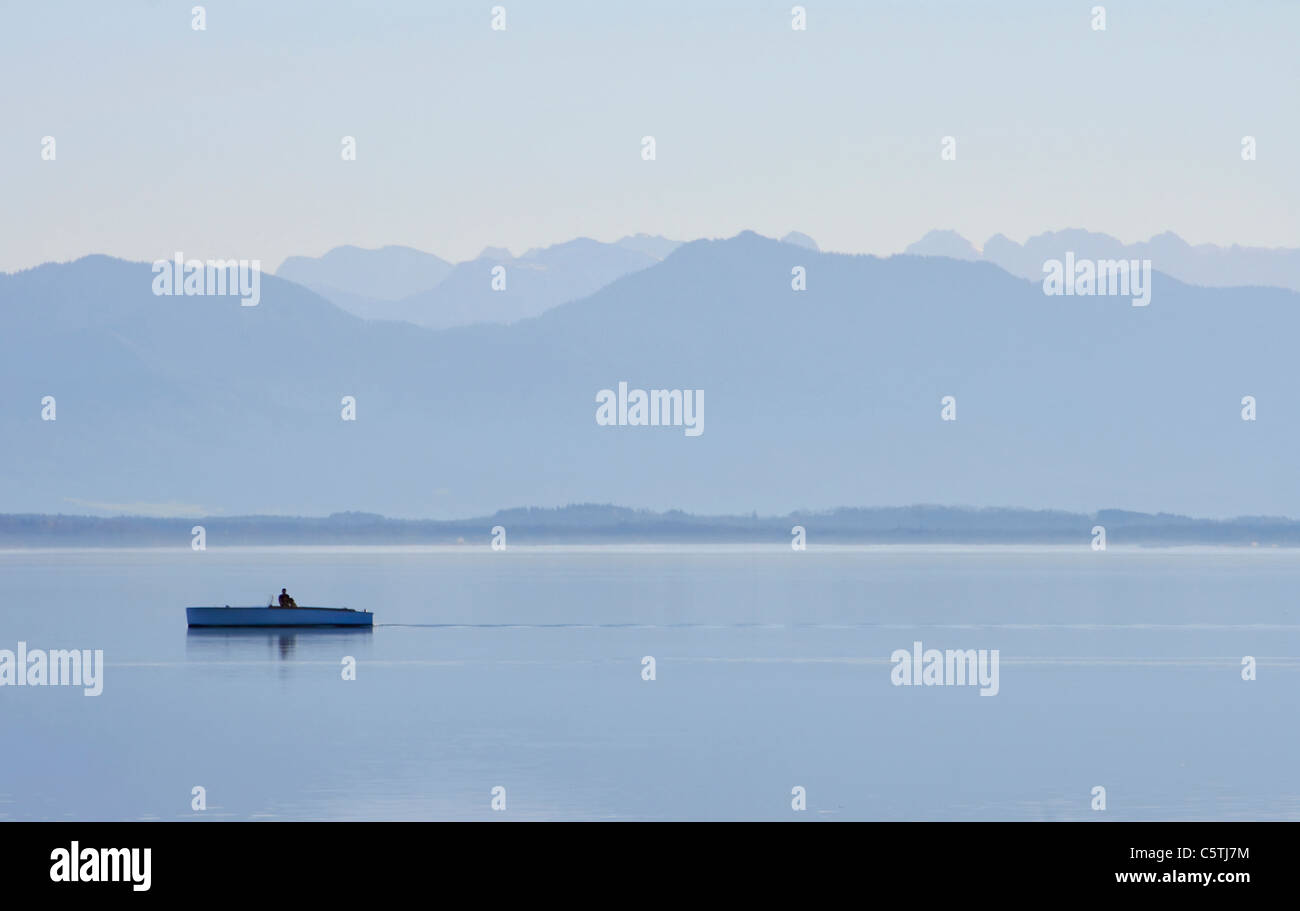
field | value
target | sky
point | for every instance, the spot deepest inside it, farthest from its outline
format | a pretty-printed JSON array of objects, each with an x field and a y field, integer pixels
[{"x": 225, "y": 143}]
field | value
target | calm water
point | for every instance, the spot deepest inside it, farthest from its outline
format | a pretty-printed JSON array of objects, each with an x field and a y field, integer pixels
[{"x": 522, "y": 669}]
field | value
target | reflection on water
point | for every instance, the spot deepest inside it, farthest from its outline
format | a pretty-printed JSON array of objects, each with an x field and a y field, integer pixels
[{"x": 230, "y": 644}]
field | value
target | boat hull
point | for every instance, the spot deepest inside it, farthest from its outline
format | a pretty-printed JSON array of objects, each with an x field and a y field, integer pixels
[{"x": 277, "y": 616}]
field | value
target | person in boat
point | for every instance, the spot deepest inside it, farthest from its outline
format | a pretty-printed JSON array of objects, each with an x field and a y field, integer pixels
[{"x": 286, "y": 600}]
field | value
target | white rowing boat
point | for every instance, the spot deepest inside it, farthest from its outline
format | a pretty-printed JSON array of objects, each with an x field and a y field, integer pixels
[{"x": 278, "y": 616}]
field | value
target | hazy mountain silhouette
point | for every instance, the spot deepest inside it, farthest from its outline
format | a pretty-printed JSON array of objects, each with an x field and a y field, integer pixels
[
  {"x": 801, "y": 240},
  {"x": 813, "y": 399},
  {"x": 587, "y": 523},
  {"x": 1202, "y": 264},
  {"x": 651, "y": 245},
  {"x": 944, "y": 243},
  {"x": 398, "y": 283},
  {"x": 534, "y": 283},
  {"x": 351, "y": 276}
]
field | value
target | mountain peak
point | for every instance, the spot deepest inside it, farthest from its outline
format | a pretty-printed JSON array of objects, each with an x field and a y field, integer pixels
[
  {"x": 801, "y": 240},
  {"x": 388, "y": 272},
  {"x": 651, "y": 245},
  {"x": 943, "y": 243}
]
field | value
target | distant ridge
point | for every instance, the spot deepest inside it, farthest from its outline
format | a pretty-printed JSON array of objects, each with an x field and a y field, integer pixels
[
  {"x": 535, "y": 282},
  {"x": 1203, "y": 264},
  {"x": 401, "y": 284},
  {"x": 801, "y": 240},
  {"x": 387, "y": 273},
  {"x": 944, "y": 243},
  {"x": 594, "y": 524},
  {"x": 650, "y": 245}
]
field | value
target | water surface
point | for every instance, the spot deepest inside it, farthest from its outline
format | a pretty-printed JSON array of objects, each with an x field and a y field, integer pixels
[{"x": 523, "y": 669}]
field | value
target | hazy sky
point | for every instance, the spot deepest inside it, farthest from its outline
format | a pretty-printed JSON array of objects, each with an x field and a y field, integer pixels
[{"x": 226, "y": 142}]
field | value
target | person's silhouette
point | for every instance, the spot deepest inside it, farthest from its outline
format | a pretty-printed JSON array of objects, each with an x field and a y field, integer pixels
[{"x": 285, "y": 600}]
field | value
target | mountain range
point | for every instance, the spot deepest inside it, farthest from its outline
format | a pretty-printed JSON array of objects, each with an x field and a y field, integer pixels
[
  {"x": 399, "y": 283},
  {"x": 812, "y": 399},
  {"x": 1202, "y": 264}
]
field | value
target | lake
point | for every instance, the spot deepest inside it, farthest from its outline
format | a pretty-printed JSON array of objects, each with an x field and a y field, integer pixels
[{"x": 523, "y": 670}]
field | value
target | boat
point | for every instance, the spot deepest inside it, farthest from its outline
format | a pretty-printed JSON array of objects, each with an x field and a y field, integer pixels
[{"x": 278, "y": 616}]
